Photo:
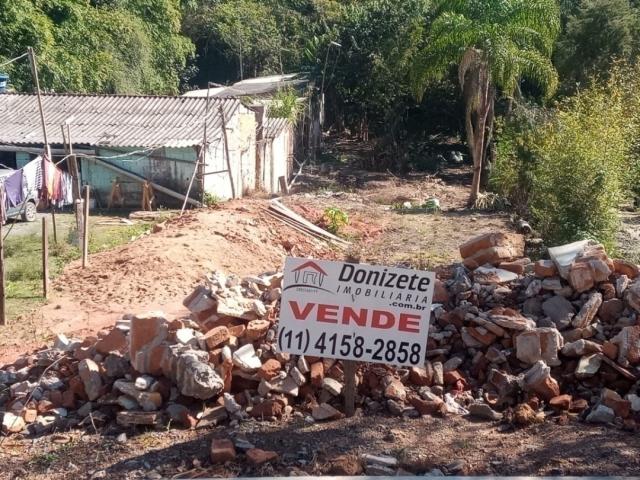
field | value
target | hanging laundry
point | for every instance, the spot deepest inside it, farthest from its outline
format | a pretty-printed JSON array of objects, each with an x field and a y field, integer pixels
[
  {"x": 55, "y": 194},
  {"x": 32, "y": 173},
  {"x": 67, "y": 183},
  {"x": 48, "y": 178},
  {"x": 3, "y": 208},
  {"x": 14, "y": 190}
]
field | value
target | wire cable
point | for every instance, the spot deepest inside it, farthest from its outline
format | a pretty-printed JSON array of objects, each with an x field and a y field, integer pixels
[{"x": 13, "y": 60}]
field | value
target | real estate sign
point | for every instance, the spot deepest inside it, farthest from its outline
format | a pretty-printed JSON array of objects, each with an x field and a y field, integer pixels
[{"x": 355, "y": 312}]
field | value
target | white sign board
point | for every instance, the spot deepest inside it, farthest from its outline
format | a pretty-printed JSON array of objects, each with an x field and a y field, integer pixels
[{"x": 355, "y": 312}]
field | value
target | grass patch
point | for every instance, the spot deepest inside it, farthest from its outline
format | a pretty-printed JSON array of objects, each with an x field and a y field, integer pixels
[{"x": 23, "y": 260}]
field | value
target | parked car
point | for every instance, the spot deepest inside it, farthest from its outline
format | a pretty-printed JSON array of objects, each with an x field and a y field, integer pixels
[{"x": 27, "y": 210}]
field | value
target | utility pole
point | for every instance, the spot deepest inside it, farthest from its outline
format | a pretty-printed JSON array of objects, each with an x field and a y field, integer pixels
[{"x": 36, "y": 81}]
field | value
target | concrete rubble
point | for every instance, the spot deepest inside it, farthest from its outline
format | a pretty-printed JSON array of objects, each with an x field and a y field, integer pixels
[{"x": 509, "y": 340}]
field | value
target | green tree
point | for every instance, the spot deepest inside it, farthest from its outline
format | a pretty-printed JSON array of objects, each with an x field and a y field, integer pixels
[
  {"x": 596, "y": 33},
  {"x": 108, "y": 46},
  {"x": 378, "y": 40},
  {"x": 495, "y": 44}
]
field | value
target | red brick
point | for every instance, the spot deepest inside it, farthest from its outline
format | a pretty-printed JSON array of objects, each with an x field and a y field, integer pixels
[
  {"x": 561, "y": 402},
  {"x": 427, "y": 407},
  {"x": 581, "y": 277},
  {"x": 440, "y": 294},
  {"x": 452, "y": 377},
  {"x": 517, "y": 266},
  {"x": 270, "y": 369},
  {"x": 579, "y": 405},
  {"x": 547, "y": 388},
  {"x": 623, "y": 267},
  {"x": 237, "y": 330},
  {"x": 147, "y": 333},
  {"x": 216, "y": 337},
  {"x": 222, "y": 451},
  {"x": 512, "y": 245},
  {"x": 317, "y": 374},
  {"x": 610, "y": 350},
  {"x": 422, "y": 377},
  {"x": 114, "y": 341},
  {"x": 545, "y": 268},
  {"x": 256, "y": 456},
  {"x": 266, "y": 409},
  {"x": 68, "y": 400},
  {"x": 256, "y": 329}
]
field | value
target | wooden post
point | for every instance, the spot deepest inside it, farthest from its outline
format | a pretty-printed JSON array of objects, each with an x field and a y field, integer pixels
[
  {"x": 226, "y": 151},
  {"x": 74, "y": 169},
  {"x": 85, "y": 239},
  {"x": 3, "y": 320},
  {"x": 78, "y": 206},
  {"x": 350, "y": 368},
  {"x": 55, "y": 229},
  {"x": 284, "y": 188},
  {"x": 45, "y": 258}
]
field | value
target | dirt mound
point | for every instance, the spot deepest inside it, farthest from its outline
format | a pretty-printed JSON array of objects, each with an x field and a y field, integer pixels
[{"x": 158, "y": 270}]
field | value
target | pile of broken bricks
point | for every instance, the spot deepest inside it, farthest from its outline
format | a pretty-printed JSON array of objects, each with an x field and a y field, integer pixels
[{"x": 509, "y": 339}]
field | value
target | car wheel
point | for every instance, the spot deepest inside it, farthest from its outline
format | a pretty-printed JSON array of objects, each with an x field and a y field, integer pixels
[{"x": 30, "y": 212}]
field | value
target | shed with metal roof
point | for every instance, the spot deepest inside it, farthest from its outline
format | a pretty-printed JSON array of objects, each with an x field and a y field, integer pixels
[{"x": 130, "y": 138}]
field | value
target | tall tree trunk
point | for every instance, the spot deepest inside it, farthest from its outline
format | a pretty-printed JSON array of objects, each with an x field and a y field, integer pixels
[
  {"x": 489, "y": 150},
  {"x": 478, "y": 116}
]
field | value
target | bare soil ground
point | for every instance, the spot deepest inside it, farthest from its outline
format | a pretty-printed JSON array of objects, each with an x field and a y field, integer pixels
[
  {"x": 157, "y": 271},
  {"x": 453, "y": 445},
  {"x": 384, "y": 234}
]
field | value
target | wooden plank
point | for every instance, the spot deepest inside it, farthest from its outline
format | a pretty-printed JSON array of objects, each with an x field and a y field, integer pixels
[
  {"x": 279, "y": 207},
  {"x": 295, "y": 225}
]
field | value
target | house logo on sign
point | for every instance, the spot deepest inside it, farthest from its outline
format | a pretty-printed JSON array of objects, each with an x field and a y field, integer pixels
[{"x": 309, "y": 275}]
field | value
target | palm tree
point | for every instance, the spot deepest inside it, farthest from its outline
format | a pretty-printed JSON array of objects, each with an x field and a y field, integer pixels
[{"x": 495, "y": 44}]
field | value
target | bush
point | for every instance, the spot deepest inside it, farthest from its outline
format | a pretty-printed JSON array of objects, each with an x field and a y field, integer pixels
[{"x": 571, "y": 168}]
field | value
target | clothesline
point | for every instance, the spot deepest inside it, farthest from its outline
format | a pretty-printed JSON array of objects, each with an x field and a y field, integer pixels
[{"x": 52, "y": 185}]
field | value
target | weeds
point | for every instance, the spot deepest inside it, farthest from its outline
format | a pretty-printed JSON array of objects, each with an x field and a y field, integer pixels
[
  {"x": 335, "y": 219},
  {"x": 211, "y": 200}
]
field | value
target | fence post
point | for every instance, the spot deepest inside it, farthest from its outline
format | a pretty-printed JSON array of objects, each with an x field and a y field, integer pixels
[
  {"x": 85, "y": 229},
  {"x": 45, "y": 258}
]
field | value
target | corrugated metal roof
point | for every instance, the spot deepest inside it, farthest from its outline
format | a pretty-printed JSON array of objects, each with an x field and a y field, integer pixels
[
  {"x": 275, "y": 126},
  {"x": 255, "y": 87},
  {"x": 112, "y": 120}
]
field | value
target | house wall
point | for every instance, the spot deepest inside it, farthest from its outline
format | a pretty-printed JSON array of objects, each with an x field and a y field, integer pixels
[
  {"x": 277, "y": 159},
  {"x": 241, "y": 134},
  {"x": 170, "y": 167},
  {"x": 22, "y": 158}
]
